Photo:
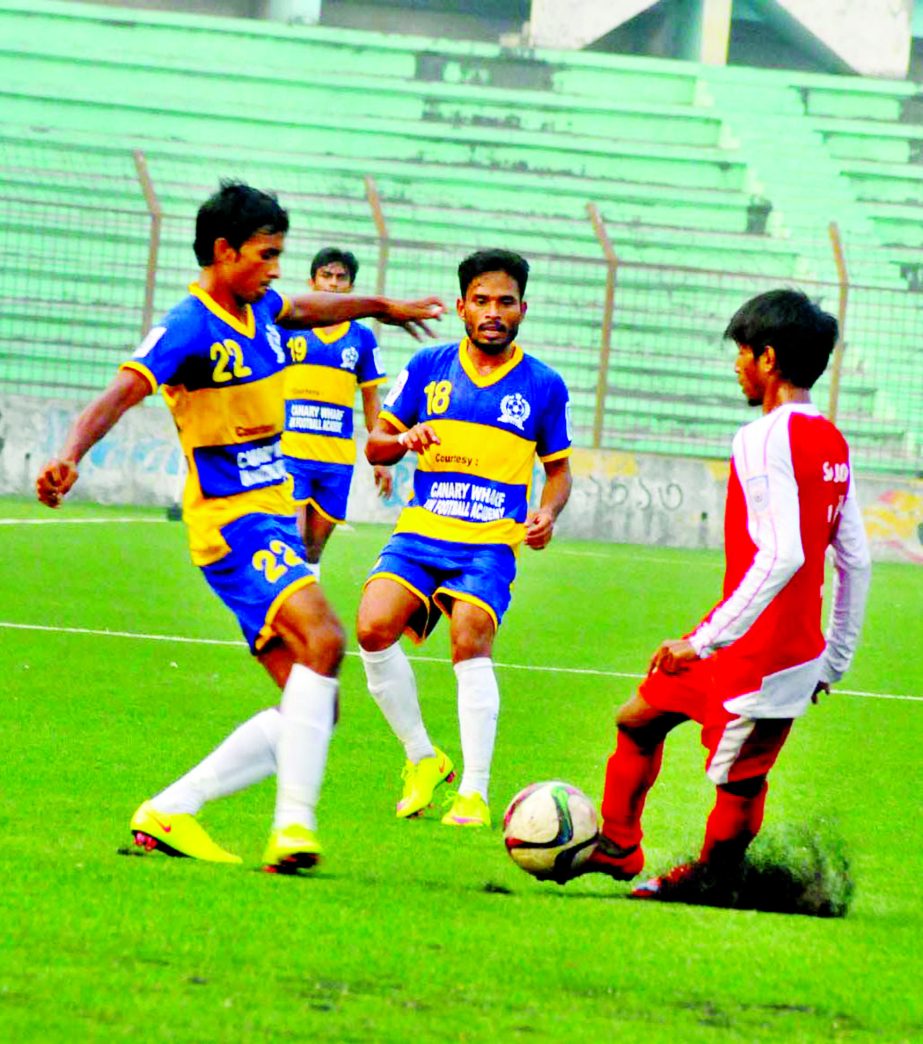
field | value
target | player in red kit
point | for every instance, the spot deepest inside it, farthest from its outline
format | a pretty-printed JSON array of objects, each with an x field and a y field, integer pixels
[{"x": 759, "y": 658}]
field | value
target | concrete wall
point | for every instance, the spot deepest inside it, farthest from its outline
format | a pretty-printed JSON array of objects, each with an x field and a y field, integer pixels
[{"x": 619, "y": 497}]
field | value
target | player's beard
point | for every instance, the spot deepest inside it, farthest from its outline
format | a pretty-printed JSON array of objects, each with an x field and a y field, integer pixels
[{"x": 492, "y": 347}]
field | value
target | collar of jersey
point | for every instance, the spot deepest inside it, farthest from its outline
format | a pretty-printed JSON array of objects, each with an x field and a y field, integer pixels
[
  {"x": 484, "y": 380},
  {"x": 329, "y": 334},
  {"x": 247, "y": 329}
]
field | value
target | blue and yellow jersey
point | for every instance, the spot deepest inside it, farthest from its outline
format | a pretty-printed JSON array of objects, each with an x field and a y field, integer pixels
[
  {"x": 223, "y": 381},
  {"x": 325, "y": 367},
  {"x": 474, "y": 486}
]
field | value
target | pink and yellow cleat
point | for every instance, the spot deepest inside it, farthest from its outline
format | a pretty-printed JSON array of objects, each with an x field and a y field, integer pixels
[
  {"x": 467, "y": 810},
  {"x": 420, "y": 782}
]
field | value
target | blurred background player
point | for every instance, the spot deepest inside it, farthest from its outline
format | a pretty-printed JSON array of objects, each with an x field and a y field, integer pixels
[
  {"x": 758, "y": 659},
  {"x": 218, "y": 356},
  {"x": 326, "y": 365},
  {"x": 476, "y": 413}
]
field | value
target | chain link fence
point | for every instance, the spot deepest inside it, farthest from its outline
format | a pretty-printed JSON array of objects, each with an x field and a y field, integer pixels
[{"x": 90, "y": 252}]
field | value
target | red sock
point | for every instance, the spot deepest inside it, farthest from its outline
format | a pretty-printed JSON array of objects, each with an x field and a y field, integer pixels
[
  {"x": 630, "y": 774},
  {"x": 733, "y": 823}
]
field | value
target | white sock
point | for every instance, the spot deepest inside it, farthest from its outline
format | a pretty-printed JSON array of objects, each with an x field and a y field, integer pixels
[
  {"x": 393, "y": 687},
  {"x": 478, "y": 707},
  {"x": 308, "y": 708},
  {"x": 314, "y": 569},
  {"x": 245, "y": 757}
]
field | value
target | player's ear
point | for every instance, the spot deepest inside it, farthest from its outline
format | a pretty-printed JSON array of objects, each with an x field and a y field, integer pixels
[
  {"x": 222, "y": 250},
  {"x": 460, "y": 307},
  {"x": 768, "y": 358},
  {"x": 523, "y": 308}
]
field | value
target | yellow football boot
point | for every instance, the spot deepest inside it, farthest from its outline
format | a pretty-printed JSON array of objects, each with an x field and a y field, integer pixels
[
  {"x": 291, "y": 849},
  {"x": 467, "y": 810},
  {"x": 176, "y": 834},
  {"x": 421, "y": 780}
]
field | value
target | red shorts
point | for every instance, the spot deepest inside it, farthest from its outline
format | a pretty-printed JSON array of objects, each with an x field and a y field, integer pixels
[{"x": 738, "y": 748}]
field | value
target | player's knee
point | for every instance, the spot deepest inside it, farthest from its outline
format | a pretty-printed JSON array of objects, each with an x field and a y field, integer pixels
[
  {"x": 471, "y": 646},
  {"x": 374, "y": 631}
]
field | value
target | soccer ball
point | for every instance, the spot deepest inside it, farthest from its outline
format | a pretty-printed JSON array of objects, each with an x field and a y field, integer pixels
[{"x": 550, "y": 829}]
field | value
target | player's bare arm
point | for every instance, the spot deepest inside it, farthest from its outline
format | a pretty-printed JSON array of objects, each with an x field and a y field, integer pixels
[
  {"x": 327, "y": 309},
  {"x": 58, "y": 476},
  {"x": 387, "y": 445},
  {"x": 540, "y": 523},
  {"x": 371, "y": 407}
]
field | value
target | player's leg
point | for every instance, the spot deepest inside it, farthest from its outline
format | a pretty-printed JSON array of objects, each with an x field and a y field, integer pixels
[
  {"x": 662, "y": 702},
  {"x": 386, "y": 610},
  {"x": 738, "y": 765},
  {"x": 314, "y": 640},
  {"x": 323, "y": 495},
  {"x": 472, "y": 636},
  {"x": 741, "y": 753},
  {"x": 315, "y": 529},
  {"x": 245, "y": 757},
  {"x": 633, "y": 767}
]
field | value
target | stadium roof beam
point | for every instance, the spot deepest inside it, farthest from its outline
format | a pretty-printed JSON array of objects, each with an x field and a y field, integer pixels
[
  {"x": 578, "y": 23},
  {"x": 860, "y": 36},
  {"x": 703, "y": 26}
]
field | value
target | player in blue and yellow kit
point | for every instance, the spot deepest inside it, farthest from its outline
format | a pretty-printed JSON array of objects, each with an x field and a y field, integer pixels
[
  {"x": 218, "y": 358},
  {"x": 326, "y": 365},
  {"x": 477, "y": 413}
]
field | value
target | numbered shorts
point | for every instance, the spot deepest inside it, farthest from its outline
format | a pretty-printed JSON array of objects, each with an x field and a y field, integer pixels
[
  {"x": 324, "y": 487},
  {"x": 738, "y": 747},
  {"x": 439, "y": 572},
  {"x": 263, "y": 567}
]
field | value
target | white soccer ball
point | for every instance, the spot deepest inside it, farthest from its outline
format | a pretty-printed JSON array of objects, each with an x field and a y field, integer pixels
[{"x": 550, "y": 829}]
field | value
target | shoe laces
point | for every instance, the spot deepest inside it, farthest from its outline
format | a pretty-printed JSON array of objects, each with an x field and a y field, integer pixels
[{"x": 449, "y": 799}]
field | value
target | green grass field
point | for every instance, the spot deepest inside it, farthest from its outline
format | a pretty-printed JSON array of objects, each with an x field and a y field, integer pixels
[{"x": 411, "y": 930}]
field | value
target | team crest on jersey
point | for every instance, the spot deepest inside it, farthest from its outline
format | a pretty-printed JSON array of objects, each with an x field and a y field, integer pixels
[
  {"x": 275, "y": 341},
  {"x": 348, "y": 359},
  {"x": 393, "y": 395},
  {"x": 758, "y": 492},
  {"x": 514, "y": 410}
]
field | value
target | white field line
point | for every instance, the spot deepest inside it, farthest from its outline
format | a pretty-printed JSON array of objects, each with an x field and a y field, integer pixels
[
  {"x": 76, "y": 521},
  {"x": 181, "y": 639}
]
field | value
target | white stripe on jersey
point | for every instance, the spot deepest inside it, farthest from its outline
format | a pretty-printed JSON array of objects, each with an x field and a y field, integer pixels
[
  {"x": 763, "y": 462},
  {"x": 735, "y": 735},
  {"x": 783, "y": 694}
]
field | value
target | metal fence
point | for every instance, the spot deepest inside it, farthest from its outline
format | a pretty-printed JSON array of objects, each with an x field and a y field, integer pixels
[{"x": 91, "y": 255}]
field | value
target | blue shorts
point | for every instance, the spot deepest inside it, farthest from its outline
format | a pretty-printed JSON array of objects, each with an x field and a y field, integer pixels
[
  {"x": 322, "y": 486},
  {"x": 439, "y": 572},
  {"x": 263, "y": 567}
]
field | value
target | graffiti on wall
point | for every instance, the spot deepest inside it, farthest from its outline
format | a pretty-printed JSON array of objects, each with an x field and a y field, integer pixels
[{"x": 894, "y": 521}]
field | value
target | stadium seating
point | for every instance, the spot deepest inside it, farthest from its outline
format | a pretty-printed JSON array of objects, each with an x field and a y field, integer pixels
[{"x": 468, "y": 145}]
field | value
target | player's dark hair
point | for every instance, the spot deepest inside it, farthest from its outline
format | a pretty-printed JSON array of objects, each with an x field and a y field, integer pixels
[
  {"x": 493, "y": 261},
  {"x": 235, "y": 213},
  {"x": 802, "y": 334},
  {"x": 329, "y": 255}
]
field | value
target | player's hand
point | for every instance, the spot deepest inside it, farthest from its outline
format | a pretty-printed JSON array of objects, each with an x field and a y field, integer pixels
[
  {"x": 418, "y": 438},
  {"x": 673, "y": 656},
  {"x": 55, "y": 480},
  {"x": 820, "y": 687},
  {"x": 413, "y": 315},
  {"x": 384, "y": 482},
  {"x": 539, "y": 528}
]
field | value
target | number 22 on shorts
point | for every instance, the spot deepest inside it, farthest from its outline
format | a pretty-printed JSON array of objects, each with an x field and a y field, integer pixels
[{"x": 275, "y": 562}]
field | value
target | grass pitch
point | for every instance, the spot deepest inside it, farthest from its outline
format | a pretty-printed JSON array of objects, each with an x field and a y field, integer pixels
[{"x": 413, "y": 930}]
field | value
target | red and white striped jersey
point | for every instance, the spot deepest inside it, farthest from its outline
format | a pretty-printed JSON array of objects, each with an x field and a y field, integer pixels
[{"x": 790, "y": 497}]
